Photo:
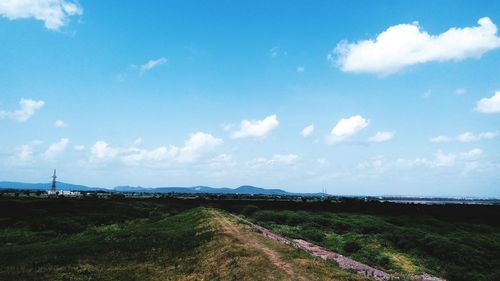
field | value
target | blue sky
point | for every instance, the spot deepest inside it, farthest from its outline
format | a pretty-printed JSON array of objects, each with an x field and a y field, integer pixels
[{"x": 404, "y": 98}]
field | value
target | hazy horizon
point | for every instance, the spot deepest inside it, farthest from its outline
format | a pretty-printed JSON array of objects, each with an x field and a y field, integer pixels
[{"x": 363, "y": 99}]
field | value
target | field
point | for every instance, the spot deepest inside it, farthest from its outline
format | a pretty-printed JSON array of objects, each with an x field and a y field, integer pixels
[{"x": 195, "y": 239}]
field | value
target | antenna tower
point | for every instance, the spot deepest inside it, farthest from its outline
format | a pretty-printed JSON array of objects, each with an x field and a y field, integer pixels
[{"x": 54, "y": 177}]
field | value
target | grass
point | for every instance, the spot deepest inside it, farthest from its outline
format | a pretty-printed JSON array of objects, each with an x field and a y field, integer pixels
[
  {"x": 193, "y": 239},
  {"x": 398, "y": 244},
  {"x": 145, "y": 240},
  {"x": 136, "y": 249}
]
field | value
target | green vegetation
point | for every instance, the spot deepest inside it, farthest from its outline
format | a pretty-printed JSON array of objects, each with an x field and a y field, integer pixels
[
  {"x": 98, "y": 240},
  {"x": 401, "y": 244},
  {"x": 191, "y": 239},
  {"x": 143, "y": 239}
]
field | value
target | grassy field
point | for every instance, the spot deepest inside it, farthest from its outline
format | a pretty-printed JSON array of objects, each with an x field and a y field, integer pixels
[
  {"x": 409, "y": 244},
  {"x": 195, "y": 239},
  {"x": 142, "y": 240}
]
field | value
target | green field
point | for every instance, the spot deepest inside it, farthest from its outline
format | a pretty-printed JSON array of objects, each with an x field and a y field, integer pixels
[
  {"x": 454, "y": 248},
  {"x": 193, "y": 239}
]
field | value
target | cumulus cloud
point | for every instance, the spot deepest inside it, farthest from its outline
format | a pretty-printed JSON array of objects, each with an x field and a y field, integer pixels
[
  {"x": 56, "y": 149},
  {"x": 465, "y": 137},
  {"x": 256, "y": 128},
  {"x": 307, "y": 131},
  {"x": 404, "y": 45},
  {"x": 54, "y": 13},
  {"x": 101, "y": 150},
  {"x": 152, "y": 64},
  {"x": 381, "y": 137},
  {"x": 489, "y": 105},
  {"x": 346, "y": 128},
  {"x": 28, "y": 109},
  {"x": 195, "y": 146},
  {"x": 60, "y": 124}
]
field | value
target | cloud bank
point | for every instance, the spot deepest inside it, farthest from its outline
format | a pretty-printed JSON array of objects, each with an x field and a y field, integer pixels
[
  {"x": 403, "y": 45},
  {"x": 256, "y": 128},
  {"x": 54, "y": 13},
  {"x": 28, "y": 109},
  {"x": 489, "y": 105}
]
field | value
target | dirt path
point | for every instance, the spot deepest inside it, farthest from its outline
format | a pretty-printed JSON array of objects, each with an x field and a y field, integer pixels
[
  {"x": 342, "y": 261},
  {"x": 230, "y": 228}
]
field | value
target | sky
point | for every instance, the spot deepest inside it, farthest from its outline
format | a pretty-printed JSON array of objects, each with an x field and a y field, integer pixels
[{"x": 358, "y": 97}]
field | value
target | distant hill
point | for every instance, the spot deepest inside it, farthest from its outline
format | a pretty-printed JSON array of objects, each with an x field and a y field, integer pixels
[
  {"x": 45, "y": 186},
  {"x": 245, "y": 189}
]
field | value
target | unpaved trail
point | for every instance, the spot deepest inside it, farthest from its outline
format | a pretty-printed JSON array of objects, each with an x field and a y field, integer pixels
[
  {"x": 236, "y": 252},
  {"x": 341, "y": 260},
  {"x": 229, "y": 227}
]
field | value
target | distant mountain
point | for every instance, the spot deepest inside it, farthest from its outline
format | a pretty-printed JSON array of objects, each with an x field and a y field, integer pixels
[
  {"x": 45, "y": 186},
  {"x": 245, "y": 189}
]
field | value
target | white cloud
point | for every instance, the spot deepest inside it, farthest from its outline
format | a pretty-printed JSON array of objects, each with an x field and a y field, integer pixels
[
  {"x": 54, "y": 13},
  {"x": 443, "y": 159},
  {"x": 381, "y": 137},
  {"x": 256, "y": 128},
  {"x": 276, "y": 160},
  {"x": 472, "y": 154},
  {"x": 60, "y": 124},
  {"x": 465, "y": 137},
  {"x": 346, "y": 128},
  {"x": 101, "y": 150},
  {"x": 307, "y": 131},
  {"x": 197, "y": 145},
  {"x": 152, "y": 64},
  {"x": 56, "y": 149},
  {"x": 404, "y": 45},
  {"x": 300, "y": 69},
  {"x": 489, "y": 105},
  {"x": 28, "y": 109}
]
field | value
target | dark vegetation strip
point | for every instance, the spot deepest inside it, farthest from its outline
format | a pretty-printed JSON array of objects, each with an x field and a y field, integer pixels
[{"x": 459, "y": 242}]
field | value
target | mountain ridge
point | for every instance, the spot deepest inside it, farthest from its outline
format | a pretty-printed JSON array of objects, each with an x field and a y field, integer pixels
[{"x": 244, "y": 189}]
